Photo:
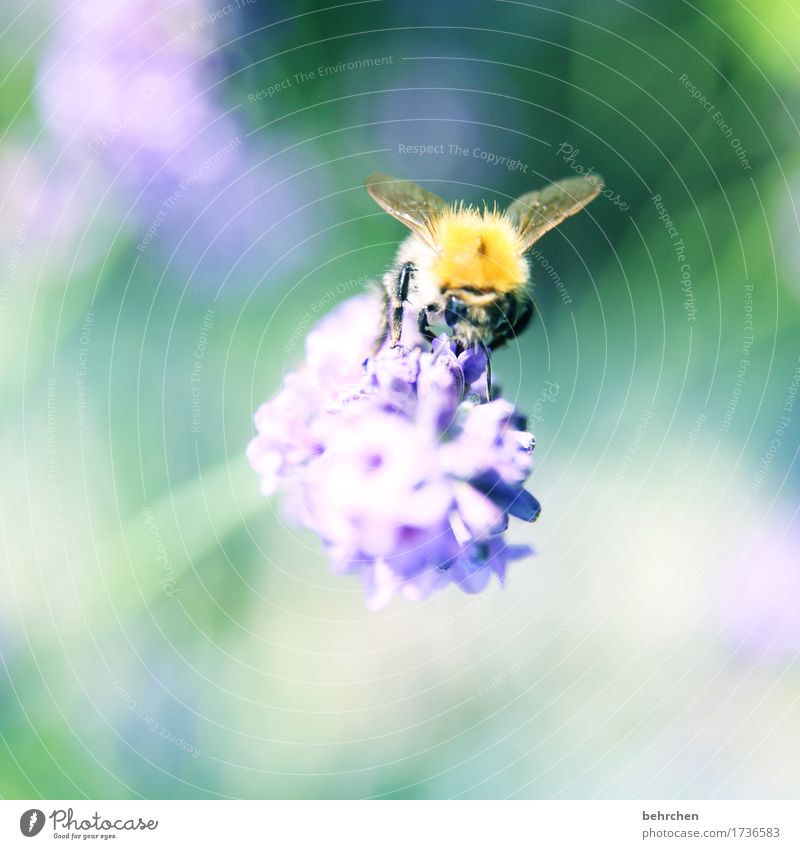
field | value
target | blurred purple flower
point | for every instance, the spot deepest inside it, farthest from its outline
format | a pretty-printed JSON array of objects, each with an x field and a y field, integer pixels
[
  {"x": 133, "y": 88},
  {"x": 129, "y": 81},
  {"x": 396, "y": 459}
]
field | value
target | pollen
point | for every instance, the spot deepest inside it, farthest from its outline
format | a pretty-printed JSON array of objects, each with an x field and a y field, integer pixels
[{"x": 478, "y": 250}]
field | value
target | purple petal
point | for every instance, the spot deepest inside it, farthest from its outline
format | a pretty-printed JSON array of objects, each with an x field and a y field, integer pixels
[
  {"x": 473, "y": 364},
  {"x": 517, "y": 501}
]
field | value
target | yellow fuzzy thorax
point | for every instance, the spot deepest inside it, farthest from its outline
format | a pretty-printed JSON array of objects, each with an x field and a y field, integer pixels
[{"x": 478, "y": 249}]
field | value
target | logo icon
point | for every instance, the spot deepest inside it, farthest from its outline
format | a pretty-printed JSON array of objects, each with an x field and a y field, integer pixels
[{"x": 31, "y": 822}]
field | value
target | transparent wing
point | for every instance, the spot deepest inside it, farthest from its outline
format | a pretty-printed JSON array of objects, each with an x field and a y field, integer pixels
[
  {"x": 537, "y": 212},
  {"x": 416, "y": 207}
]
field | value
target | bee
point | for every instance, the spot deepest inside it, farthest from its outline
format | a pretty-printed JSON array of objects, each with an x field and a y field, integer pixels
[{"x": 467, "y": 267}]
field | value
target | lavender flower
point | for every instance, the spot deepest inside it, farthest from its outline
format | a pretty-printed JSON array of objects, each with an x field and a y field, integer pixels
[
  {"x": 397, "y": 460},
  {"x": 132, "y": 92}
]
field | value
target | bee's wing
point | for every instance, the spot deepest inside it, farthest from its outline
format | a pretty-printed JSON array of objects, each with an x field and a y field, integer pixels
[
  {"x": 416, "y": 207},
  {"x": 535, "y": 213}
]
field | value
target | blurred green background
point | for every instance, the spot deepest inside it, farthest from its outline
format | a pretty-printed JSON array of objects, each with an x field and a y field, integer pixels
[{"x": 182, "y": 183}]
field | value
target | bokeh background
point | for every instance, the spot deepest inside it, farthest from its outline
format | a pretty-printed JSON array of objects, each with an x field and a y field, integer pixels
[{"x": 182, "y": 197}]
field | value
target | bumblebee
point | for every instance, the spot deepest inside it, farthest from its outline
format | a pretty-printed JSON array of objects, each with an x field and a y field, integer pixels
[{"x": 467, "y": 267}]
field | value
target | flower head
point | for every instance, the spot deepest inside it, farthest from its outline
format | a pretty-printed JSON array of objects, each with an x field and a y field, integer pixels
[{"x": 397, "y": 460}]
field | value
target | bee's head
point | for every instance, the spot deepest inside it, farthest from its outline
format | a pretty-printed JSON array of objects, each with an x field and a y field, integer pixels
[{"x": 493, "y": 321}]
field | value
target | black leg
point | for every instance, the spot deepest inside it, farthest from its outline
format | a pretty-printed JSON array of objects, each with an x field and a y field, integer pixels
[
  {"x": 424, "y": 327},
  {"x": 383, "y": 330},
  {"x": 397, "y": 297}
]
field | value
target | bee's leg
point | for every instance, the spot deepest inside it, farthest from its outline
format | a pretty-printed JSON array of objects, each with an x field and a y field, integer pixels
[
  {"x": 398, "y": 295},
  {"x": 381, "y": 337},
  {"x": 424, "y": 327},
  {"x": 383, "y": 329}
]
